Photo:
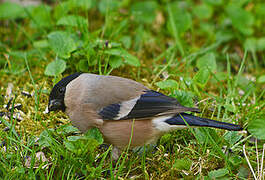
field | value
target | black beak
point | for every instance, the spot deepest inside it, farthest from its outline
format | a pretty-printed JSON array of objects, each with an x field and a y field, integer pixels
[{"x": 54, "y": 105}]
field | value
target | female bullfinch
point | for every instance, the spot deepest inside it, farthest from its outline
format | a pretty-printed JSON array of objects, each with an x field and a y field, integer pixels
[{"x": 118, "y": 105}]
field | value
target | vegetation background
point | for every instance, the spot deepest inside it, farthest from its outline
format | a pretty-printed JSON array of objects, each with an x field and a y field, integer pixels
[{"x": 205, "y": 53}]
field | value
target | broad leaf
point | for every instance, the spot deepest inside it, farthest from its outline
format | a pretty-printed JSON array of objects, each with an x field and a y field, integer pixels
[
  {"x": 10, "y": 10},
  {"x": 203, "y": 11},
  {"x": 107, "y": 5},
  {"x": 261, "y": 79},
  {"x": 55, "y": 68},
  {"x": 261, "y": 44},
  {"x": 80, "y": 4},
  {"x": 182, "y": 164},
  {"x": 207, "y": 62},
  {"x": 128, "y": 58},
  {"x": 218, "y": 173},
  {"x": 144, "y": 11},
  {"x": 184, "y": 97},
  {"x": 167, "y": 84},
  {"x": 115, "y": 61},
  {"x": 241, "y": 19},
  {"x": 40, "y": 17},
  {"x": 202, "y": 77},
  {"x": 232, "y": 137},
  {"x": 257, "y": 128},
  {"x": 62, "y": 43},
  {"x": 250, "y": 44},
  {"x": 181, "y": 19},
  {"x": 71, "y": 20},
  {"x": 94, "y": 133}
]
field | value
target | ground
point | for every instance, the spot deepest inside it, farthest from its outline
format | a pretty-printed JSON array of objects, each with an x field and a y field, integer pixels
[{"x": 207, "y": 54}]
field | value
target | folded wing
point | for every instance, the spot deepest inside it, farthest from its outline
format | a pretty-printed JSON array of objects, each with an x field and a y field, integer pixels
[{"x": 149, "y": 104}]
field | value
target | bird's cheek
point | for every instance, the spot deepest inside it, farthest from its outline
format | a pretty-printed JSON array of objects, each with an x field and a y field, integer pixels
[{"x": 54, "y": 105}]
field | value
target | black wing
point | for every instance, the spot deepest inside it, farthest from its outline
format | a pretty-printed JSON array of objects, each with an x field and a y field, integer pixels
[
  {"x": 149, "y": 104},
  {"x": 110, "y": 111}
]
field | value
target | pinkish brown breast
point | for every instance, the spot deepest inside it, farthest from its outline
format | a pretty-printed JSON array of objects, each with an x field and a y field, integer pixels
[{"x": 118, "y": 133}]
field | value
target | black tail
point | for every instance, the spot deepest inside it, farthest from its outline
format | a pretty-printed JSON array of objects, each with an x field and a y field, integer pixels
[{"x": 201, "y": 122}]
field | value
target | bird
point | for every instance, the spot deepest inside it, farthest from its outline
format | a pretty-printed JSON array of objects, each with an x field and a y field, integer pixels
[{"x": 124, "y": 110}]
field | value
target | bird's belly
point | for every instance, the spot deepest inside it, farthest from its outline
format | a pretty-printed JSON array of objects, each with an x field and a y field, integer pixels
[{"x": 119, "y": 132}]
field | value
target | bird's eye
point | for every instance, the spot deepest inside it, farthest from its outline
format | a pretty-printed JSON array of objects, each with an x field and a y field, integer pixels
[{"x": 61, "y": 90}]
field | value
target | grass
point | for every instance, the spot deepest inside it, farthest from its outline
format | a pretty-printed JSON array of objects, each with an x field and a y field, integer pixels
[{"x": 208, "y": 54}]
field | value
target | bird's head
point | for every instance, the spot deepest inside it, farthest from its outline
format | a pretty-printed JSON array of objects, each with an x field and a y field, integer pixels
[{"x": 56, "y": 98}]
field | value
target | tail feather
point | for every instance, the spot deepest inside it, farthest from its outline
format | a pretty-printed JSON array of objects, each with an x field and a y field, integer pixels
[{"x": 201, "y": 122}]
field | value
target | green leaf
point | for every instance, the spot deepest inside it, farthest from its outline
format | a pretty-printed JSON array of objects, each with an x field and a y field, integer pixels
[
  {"x": 254, "y": 44},
  {"x": 167, "y": 84},
  {"x": 70, "y": 129},
  {"x": 107, "y": 5},
  {"x": 202, "y": 77},
  {"x": 218, "y": 173},
  {"x": 165, "y": 138},
  {"x": 243, "y": 172},
  {"x": 182, "y": 164},
  {"x": 232, "y": 137},
  {"x": 94, "y": 133},
  {"x": 260, "y": 9},
  {"x": 243, "y": 81},
  {"x": 80, "y": 4},
  {"x": 17, "y": 63},
  {"x": 74, "y": 138},
  {"x": 73, "y": 20},
  {"x": 261, "y": 79},
  {"x": 181, "y": 19},
  {"x": 230, "y": 107},
  {"x": 41, "y": 17},
  {"x": 261, "y": 44},
  {"x": 221, "y": 76},
  {"x": 10, "y": 10},
  {"x": 241, "y": 19},
  {"x": 115, "y": 61},
  {"x": 203, "y": 11},
  {"x": 250, "y": 44},
  {"x": 62, "y": 43},
  {"x": 61, "y": 10},
  {"x": 235, "y": 160},
  {"x": 200, "y": 135},
  {"x": 144, "y": 12},
  {"x": 45, "y": 140},
  {"x": 214, "y": 2},
  {"x": 207, "y": 62},
  {"x": 207, "y": 28},
  {"x": 128, "y": 58},
  {"x": 131, "y": 60},
  {"x": 91, "y": 55},
  {"x": 184, "y": 97},
  {"x": 41, "y": 43},
  {"x": 83, "y": 65},
  {"x": 55, "y": 68},
  {"x": 114, "y": 45},
  {"x": 126, "y": 41},
  {"x": 70, "y": 146},
  {"x": 224, "y": 35},
  {"x": 115, "y": 52},
  {"x": 257, "y": 128}
]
